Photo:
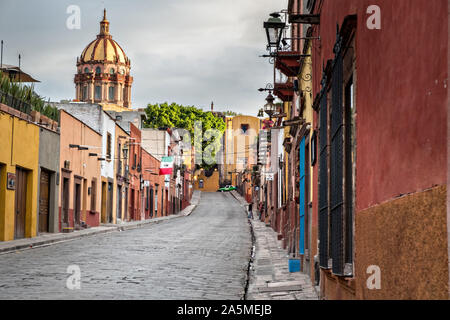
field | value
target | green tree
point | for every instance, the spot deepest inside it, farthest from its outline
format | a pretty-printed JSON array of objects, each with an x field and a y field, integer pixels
[{"x": 163, "y": 115}]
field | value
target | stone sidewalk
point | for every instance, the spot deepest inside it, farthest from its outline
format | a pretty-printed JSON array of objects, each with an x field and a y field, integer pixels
[
  {"x": 269, "y": 277},
  {"x": 52, "y": 238}
]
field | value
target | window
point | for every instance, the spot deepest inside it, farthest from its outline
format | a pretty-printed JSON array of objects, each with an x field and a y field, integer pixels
[
  {"x": 323, "y": 177},
  {"x": 244, "y": 128},
  {"x": 98, "y": 93},
  {"x": 349, "y": 159},
  {"x": 108, "y": 146},
  {"x": 119, "y": 160},
  {"x": 86, "y": 70},
  {"x": 200, "y": 184},
  {"x": 85, "y": 91},
  {"x": 336, "y": 191},
  {"x": 111, "y": 93},
  {"x": 98, "y": 70},
  {"x": 111, "y": 71}
]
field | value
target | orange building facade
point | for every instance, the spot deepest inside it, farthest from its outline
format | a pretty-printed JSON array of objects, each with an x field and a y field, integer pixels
[{"x": 80, "y": 199}]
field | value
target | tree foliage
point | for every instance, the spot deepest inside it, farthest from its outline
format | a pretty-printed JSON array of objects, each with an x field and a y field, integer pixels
[
  {"x": 230, "y": 113},
  {"x": 163, "y": 115}
]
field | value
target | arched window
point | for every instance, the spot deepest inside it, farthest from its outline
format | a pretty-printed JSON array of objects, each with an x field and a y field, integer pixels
[
  {"x": 98, "y": 93},
  {"x": 98, "y": 70},
  {"x": 111, "y": 93},
  {"x": 111, "y": 71},
  {"x": 86, "y": 70}
]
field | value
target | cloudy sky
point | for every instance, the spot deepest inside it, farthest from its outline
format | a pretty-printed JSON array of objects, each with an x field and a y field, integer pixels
[{"x": 187, "y": 51}]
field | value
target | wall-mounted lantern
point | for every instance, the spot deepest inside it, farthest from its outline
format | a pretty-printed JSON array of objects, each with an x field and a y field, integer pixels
[{"x": 274, "y": 29}]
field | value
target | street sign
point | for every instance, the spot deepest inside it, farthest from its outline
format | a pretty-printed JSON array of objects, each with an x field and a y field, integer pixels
[{"x": 269, "y": 176}]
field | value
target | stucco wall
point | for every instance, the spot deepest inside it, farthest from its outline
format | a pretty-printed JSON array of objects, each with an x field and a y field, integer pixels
[
  {"x": 400, "y": 95},
  {"x": 401, "y": 158},
  {"x": 49, "y": 159},
  {"x": 210, "y": 184},
  {"x": 150, "y": 167},
  {"x": 73, "y": 131},
  {"x": 156, "y": 142},
  {"x": 108, "y": 127},
  {"x": 19, "y": 145},
  {"x": 122, "y": 137},
  {"x": 90, "y": 114}
]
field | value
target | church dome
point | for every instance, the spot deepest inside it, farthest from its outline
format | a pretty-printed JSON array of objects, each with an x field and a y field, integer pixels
[
  {"x": 103, "y": 71},
  {"x": 104, "y": 48}
]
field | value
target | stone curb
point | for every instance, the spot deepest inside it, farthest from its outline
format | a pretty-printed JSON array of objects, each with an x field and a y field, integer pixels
[{"x": 63, "y": 237}]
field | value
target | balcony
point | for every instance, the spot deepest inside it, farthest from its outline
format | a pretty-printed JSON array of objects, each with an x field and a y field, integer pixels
[
  {"x": 15, "y": 103},
  {"x": 288, "y": 62},
  {"x": 284, "y": 91}
]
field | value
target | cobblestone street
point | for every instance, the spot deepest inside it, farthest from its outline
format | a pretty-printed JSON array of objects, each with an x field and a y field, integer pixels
[{"x": 201, "y": 256}]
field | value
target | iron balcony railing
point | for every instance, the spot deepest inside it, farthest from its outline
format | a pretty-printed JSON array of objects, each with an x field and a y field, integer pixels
[{"x": 15, "y": 103}]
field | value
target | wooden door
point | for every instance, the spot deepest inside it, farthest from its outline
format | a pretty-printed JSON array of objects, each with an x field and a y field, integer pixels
[
  {"x": 104, "y": 212},
  {"x": 132, "y": 199},
  {"x": 119, "y": 203},
  {"x": 125, "y": 216},
  {"x": 110, "y": 202},
  {"x": 65, "y": 202},
  {"x": 77, "y": 205},
  {"x": 20, "y": 203},
  {"x": 151, "y": 203},
  {"x": 44, "y": 200}
]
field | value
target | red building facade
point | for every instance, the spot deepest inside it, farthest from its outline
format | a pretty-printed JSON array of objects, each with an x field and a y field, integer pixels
[
  {"x": 381, "y": 113},
  {"x": 135, "y": 167},
  {"x": 152, "y": 185}
]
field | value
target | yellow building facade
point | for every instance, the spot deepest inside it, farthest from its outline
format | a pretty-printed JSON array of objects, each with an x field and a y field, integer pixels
[
  {"x": 19, "y": 163},
  {"x": 240, "y": 145},
  {"x": 204, "y": 183},
  {"x": 307, "y": 112}
]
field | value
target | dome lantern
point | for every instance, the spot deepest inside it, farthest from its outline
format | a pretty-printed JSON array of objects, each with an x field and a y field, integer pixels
[{"x": 104, "y": 25}]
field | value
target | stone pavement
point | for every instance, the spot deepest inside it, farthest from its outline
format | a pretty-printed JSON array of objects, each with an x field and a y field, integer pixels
[
  {"x": 269, "y": 277},
  {"x": 202, "y": 256},
  {"x": 47, "y": 239}
]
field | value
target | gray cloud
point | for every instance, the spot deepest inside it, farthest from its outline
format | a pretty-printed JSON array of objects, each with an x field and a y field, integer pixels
[{"x": 186, "y": 51}]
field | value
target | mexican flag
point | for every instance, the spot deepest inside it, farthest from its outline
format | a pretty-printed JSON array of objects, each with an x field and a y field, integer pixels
[{"x": 166, "y": 166}]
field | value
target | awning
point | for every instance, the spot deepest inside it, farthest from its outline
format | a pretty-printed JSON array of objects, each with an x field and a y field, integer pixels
[{"x": 16, "y": 75}]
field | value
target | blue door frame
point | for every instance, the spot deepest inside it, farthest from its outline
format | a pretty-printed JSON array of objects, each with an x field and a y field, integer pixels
[{"x": 302, "y": 197}]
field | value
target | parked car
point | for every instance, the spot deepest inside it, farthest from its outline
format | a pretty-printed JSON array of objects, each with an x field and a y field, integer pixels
[{"x": 227, "y": 188}]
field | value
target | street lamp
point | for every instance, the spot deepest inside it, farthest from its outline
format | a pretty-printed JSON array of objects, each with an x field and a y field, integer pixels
[
  {"x": 269, "y": 107},
  {"x": 274, "y": 29}
]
